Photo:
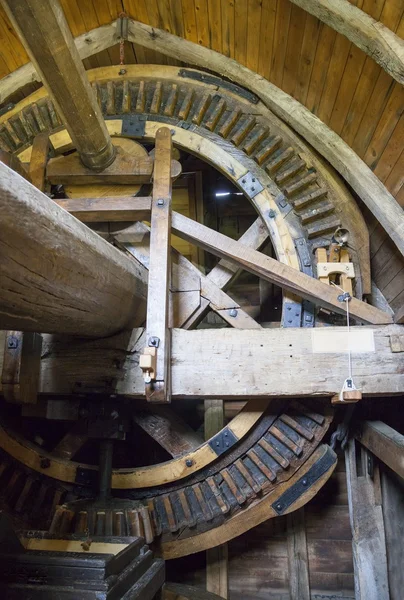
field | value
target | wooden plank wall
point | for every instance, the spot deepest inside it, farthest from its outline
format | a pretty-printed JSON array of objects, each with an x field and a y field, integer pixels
[
  {"x": 294, "y": 50},
  {"x": 258, "y": 560}
]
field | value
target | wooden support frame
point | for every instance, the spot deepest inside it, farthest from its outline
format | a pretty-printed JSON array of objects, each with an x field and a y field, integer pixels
[
  {"x": 385, "y": 443},
  {"x": 21, "y": 367},
  {"x": 158, "y": 351},
  {"x": 263, "y": 266}
]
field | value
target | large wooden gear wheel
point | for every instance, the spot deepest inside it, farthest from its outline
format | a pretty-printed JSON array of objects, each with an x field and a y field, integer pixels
[{"x": 269, "y": 459}]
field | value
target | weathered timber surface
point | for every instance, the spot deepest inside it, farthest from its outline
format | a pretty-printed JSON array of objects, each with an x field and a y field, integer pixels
[
  {"x": 44, "y": 31},
  {"x": 371, "y": 36},
  {"x": 385, "y": 443},
  {"x": 225, "y": 363},
  {"x": 365, "y": 183},
  {"x": 56, "y": 275}
]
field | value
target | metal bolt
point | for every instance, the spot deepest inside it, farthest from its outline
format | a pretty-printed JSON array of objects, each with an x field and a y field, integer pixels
[
  {"x": 253, "y": 189},
  {"x": 279, "y": 506},
  {"x": 304, "y": 481},
  {"x": 122, "y": 72},
  {"x": 189, "y": 462},
  {"x": 45, "y": 463},
  {"x": 233, "y": 312},
  {"x": 160, "y": 202},
  {"x": 271, "y": 213},
  {"x": 12, "y": 342},
  {"x": 243, "y": 181},
  {"x": 154, "y": 341},
  {"x": 346, "y": 268},
  {"x": 253, "y": 179},
  {"x": 114, "y": 414},
  {"x": 324, "y": 268}
]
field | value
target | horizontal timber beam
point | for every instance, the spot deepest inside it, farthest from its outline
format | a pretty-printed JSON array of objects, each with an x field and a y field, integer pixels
[
  {"x": 250, "y": 260},
  {"x": 56, "y": 275},
  {"x": 215, "y": 363},
  {"x": 365, "y": 183},
  {"x": 385, "y": 443},
  {"x": 371, "y": 36},
  {"x": 43, "y": 29}
]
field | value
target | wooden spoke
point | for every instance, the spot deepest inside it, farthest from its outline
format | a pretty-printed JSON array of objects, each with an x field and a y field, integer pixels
[
  {"x": 39, "y": 159},
  {"x": 70, "y": 443},
  {"x": 169, "y": 430}
]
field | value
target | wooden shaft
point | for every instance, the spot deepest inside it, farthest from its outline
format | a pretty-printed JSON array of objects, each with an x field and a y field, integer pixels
[
  {"x": 58, "y": 276},
  {"x": 44, "y": 31}
]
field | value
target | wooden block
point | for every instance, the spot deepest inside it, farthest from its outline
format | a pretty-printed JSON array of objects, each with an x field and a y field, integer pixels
[
  {"x": 348, "y": 397},
  {"x": 21, "y": 367},
  {"x": 397, "y": 343}
]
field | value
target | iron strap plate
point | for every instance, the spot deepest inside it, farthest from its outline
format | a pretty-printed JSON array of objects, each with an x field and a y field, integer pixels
[
  {"x": 212, "y": 80},
  {"x": 222, "y": 441},
  {"x": 304, "y": 483},
  {"x": 250, "y": 185},
  {"x": 133, "y": 125}
]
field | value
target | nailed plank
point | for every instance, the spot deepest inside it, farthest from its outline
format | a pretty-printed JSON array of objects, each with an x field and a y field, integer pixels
[
  {"x": 108, "y": 208},
  {"x": 43, "y": 29},
  {"x": 51, "y": 280},
  {"x": 221, "y": 366},
  {"x": 371, "y": 36},
  {"x": 385, "y": 443},
  {"x": 273, "y": 271},
  {"x": 326, "y": 142}
]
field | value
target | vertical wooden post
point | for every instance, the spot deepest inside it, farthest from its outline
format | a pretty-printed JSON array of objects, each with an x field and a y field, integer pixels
[
  {"x": 217, "y": 578},
  {"x": 299, "y": 586},
  {"x": 157, "y": 332},
  {"x": 39, "y": 158},
  {"x": 368, "y": 536},
  {"x": 44, "y": 31}
]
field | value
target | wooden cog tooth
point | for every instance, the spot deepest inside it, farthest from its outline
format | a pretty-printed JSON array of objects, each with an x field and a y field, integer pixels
[
  {"x": 9, "y": 490},
  {"x": 257, "y": 135},
  {"x": 12, "y": 134},
  {"x": 156, "y": 99},
  {"x": 81, "y": 522},
  {"x": 265, "y": 445},
  {"x": 154, "y": 516},
  {"x": 40, "y": 498},
  {"x": 186, "y": 509},
  {"x": 229, "y": 123},
  {"x": 207, "y": 513},
  {"x": 126, "y": 97},
  {"x": 222, "y": 502},
  {"x": 141, "y": 98},
  {"x": 278, "y": 161},
  {"x": 317, "y": 212},
  {"x": 171, "y": 103},
  {"x": 285, "y": 440},
  {"x": 6, "y": 141},
  {"x": 263, "y": 468},
  {"x": 26, "y": 124},
  {"x": 294, "y": 169},
  {"x": 147, "y": 524},
  {"x": 307, "y": 199},
  {"x": 111, "y": 110},
  {"x": 304, "y": 182},
  {"x": 216, "y": 111},
  {"x": 247, "y": 476},
  {"x": 186, "y": 105},
  {"x": 242, "y": 131},
  {"x": 323, "y": 227},
  {"x": 38, "y": 117},
  {"x": 201, "y": 109},
  {"x": 54, "y": 117},
  {"x": 238, "y": 494},
  {"x": 306, "y": 433},
  {"x": 268, "y": 149},
  {"x": 309, "y": 414},
  {"x": 25, "y": 492}
]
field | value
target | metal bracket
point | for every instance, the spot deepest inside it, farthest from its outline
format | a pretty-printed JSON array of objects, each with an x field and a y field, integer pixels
[
  {"x": 304, "y": 483},
  {"x": 122, "y": 28},
  {"x": 284, "y": 206},
  {"x": 292, "y": 314},
  {"x": 212, "y": 80},
  {"x": 134, "y": 125},
  {"x": 303, "y": 253},
  {"x": 250, "y": 185},
  {"x": 222, "y": 441}
]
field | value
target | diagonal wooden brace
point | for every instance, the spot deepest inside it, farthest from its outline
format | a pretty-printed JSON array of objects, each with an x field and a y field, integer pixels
[{"x": 155, "y": 360}]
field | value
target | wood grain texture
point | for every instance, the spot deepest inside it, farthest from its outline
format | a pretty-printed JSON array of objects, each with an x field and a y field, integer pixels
[
  {"x": 385, "y": 443},
  {"x": 51, "y": 279},
  {"x": 369, "y": 35}
]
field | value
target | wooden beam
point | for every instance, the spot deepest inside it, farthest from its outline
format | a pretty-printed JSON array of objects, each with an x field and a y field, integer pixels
[
  {"x": 371, "y": 36},
  {"x": 367, "y": 525},
  {"x": 365, "y": 183},
  {"x": 385, "y": 443},
  {"x": 298, "y": 559},
  {"x": 108, "y": 208},
  {"x": 274, "y": 271},
  {"x": 126, "y": 169},
  {"x": 217, "y": 575},
  {"x": 39, "y": 159},
  {"x": 56, "y": 274},
  {"x": 227, "y": 363},
  {"x": 157, "y": 332},
  {"x": 44, "y": 31},
  {"x": 393, "y": 515}
]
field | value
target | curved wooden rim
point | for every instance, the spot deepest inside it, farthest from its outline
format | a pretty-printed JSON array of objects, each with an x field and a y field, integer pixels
[{"x": 253, "y": 515}]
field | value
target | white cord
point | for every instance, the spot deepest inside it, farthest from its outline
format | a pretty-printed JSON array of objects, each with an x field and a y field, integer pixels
[{"x": 346, "y": 385}]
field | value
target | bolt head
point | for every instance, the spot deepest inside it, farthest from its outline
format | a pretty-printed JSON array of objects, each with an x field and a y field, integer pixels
[
  {"x": 122, "y": 72},
  {"x": 233, "y": 312},
  {"x": 45, "y": 463},
  {"x": 12, "y": 342},
  {"x": 189, "y": 462},
  {"x": 160, "y": 202},
  {"x": 271, "y": 213}
]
